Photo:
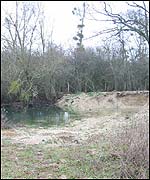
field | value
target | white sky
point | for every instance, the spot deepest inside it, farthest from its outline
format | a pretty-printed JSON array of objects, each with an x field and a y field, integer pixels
[{"x": 59, "y": 15}]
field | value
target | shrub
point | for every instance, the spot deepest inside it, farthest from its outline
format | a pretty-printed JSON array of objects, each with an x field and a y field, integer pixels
[{"x": 133, "y": 148}]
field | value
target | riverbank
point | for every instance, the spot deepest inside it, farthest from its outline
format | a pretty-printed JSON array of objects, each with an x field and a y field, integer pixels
[
  {"x": 99, "y": 113},
  {"x": 85, "y": 144},
  {"x": 97, "y": 101}
]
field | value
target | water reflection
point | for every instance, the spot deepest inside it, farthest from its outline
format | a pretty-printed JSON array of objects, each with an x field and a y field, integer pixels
[
  {"x": 46, "y": 116},
  {"x": 66, "y": 116}
]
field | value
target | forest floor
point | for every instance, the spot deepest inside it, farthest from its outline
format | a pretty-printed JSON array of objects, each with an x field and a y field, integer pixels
[{"x": 82, "y": 148}]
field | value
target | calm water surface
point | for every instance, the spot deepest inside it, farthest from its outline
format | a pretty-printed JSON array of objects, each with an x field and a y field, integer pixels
[{"x": 45, "y": 116}]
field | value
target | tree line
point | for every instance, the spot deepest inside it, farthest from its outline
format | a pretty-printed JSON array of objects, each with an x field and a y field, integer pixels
[{"x": 29, "y": 73}]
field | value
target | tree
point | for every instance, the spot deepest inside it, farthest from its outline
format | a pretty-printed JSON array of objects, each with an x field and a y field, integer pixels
[
  {"x": 21, "y": 34},
  {"x": 81, "y": 13},
  {"x": 135, "y": 20}
]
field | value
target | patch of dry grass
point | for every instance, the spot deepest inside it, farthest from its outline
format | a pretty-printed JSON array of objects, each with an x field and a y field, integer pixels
[{"x": 133, "y": 148}]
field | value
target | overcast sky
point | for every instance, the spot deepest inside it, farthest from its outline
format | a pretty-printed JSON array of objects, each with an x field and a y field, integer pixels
[{"x": 58, "y": 14}]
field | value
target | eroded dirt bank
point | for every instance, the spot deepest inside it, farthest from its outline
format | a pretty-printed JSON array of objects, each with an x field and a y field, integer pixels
[
  {"x": 96, "y": 101},
  {"x": 104, "y": 114}
]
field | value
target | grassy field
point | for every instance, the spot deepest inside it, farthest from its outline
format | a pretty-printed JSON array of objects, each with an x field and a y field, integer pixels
[{"x": 40, "y": 161}]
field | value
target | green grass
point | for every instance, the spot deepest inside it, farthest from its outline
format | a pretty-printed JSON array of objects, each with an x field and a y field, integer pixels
[
  {"x": 39, "y": 161},
  {"x": 74, "y": 95},
  {"x": 88, "y": 93},
  {"x": 94, "y": 93}
]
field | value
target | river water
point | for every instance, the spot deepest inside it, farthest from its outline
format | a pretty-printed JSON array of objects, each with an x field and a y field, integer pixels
[{"x": 43, "y": 116}]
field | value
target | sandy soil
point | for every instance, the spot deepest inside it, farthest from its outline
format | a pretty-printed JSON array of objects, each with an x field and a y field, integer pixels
[
  {"x": 87, "y": 129},
  {"x": 103, "y": 100}
]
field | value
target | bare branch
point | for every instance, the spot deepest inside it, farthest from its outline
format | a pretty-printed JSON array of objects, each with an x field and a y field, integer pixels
[
  {"x": 102, "y": 32},
  {"x": 139, "y": 6}
]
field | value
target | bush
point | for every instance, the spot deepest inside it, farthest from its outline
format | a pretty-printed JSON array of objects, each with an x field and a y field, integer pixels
[{"x": 133, "y": 148}]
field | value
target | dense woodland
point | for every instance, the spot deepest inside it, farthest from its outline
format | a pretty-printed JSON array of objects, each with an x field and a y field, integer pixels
[{"x": 48, "y": 71}]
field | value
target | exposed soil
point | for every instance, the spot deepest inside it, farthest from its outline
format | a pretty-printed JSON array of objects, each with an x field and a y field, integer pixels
[
  {"x": 105, "y": 114},
  {"x": 103, "y": 100}
]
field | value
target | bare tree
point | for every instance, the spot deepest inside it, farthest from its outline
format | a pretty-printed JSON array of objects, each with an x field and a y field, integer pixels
[
  {"x": 21, "y": 34},
  {"x": 135, "y": 20},
  {"x": 81, "y": 13}
]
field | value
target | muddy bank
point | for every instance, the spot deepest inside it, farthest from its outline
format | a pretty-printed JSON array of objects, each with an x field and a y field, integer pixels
[{"x": 93, "y": 102}]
